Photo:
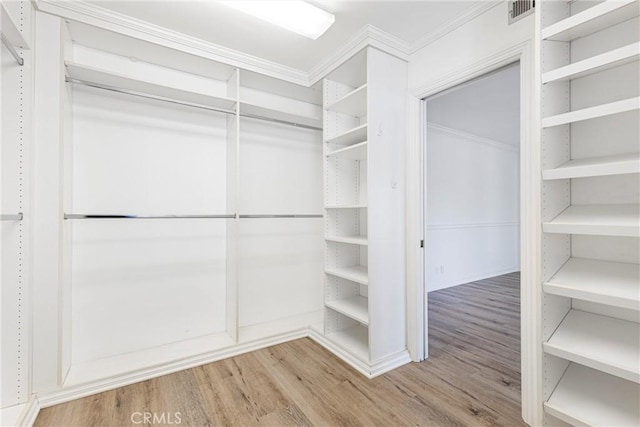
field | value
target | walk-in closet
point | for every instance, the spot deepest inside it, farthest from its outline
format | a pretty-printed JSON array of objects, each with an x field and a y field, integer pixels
[{"x": 215, "y": 212}]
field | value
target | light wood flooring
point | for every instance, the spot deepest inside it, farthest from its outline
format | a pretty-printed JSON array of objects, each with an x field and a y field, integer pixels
[{"x": 472, "y": 378}]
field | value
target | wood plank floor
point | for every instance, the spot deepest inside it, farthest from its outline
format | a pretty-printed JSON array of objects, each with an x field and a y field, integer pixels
[{"x": 472, "y": 378}]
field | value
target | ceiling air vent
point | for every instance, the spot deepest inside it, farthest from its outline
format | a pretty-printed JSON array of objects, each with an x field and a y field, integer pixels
[{"x": 518, "y": 9}]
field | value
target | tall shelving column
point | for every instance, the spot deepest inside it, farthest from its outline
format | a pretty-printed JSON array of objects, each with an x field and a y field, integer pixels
[
  {"x": 345, "y": 194},
  {"x": 590, "y": 103},
  {"x": 364, "y": 125}
]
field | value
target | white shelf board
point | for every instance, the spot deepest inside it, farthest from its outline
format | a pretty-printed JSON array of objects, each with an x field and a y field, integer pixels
[
  {"x": 258, "y": 110},
  {"x": 591, "y": 20},
  {"x": 350, "y": 137},
  {"x": 358, "y": 273},
  {"x": 353, "y": 152},
  {"x": 355, "y": 340},
  {"x": 598, "y": 166},
  {"x": 595, "y": 64},
  {"x": 592, "y": 112},
  {"x": 354, "y": 103},
  {"x": 356, "y": 308},
  {"x": 10, "y": 30},
  {"x": 604, "y": 282},
  {"x": 588, "y": 397},
  {"x": 359, "y": 206},
  {"x": 600, "y": 342},
  {"x": 121, "y": 81},
  {"x": 356, "y": 240},
  {"x": 597, "y": 220}
]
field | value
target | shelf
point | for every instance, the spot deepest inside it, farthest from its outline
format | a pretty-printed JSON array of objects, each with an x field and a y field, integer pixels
[
  {"x": 355, "y": 340},
  {"x": 599, "y": 166},
  {"x": 345, "y": 207},
  {"x": 596, "y": 64},
  {"x": 600, "y": 342},
  {"x": 277, "y": 115},
  {"x": 354, "y": 103},
  {"x": 591, "y": 398},
  {"x": 350, "y": 137},
  {"x": 358, "y": 274},
  {"x": 592, "y": 112},
  {"x": 356, "y": 308},
  {"x": 610, "y": 283},
  {"x": 597, "y": 220},
  {"x": 353, "y": 152},
  {"x": 592, "y": 20},
  {"x": 10, "y": 30},
  {"x": 356, "y": 240},
  {"x": 120, "y": 81}
]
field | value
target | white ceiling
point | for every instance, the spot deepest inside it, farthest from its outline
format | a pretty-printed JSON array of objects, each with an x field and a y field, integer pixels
[
  {"x": 213, "y": 22},
  {"x": 488, "y": 107}
]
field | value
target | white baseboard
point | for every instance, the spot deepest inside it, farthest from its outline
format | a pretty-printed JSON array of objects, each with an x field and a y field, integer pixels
[
  {"x": 23, "y": 414},
  {"x": 475, "y": 278},
  {"x": 78, "y": 391},
  {"x": 30, "y": 413},
  {"x": 369, "y": 370}
]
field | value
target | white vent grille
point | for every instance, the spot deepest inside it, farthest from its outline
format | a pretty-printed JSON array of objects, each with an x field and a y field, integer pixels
[{"x": 518, "y": 9}]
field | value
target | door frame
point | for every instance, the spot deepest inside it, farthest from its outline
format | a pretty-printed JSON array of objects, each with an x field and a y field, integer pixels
[{"x": 530, "y": 233}]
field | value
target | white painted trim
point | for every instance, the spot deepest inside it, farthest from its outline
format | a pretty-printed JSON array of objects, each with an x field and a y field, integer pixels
[
  {"x": 29, "y": 413},
  {"x": 367, "y": 36},
  {"x": 475, "y": 138},
  {"x": 486, "y": 65},
  {"x": 66, "y": 394},
  {"x": 530, "y": 233},
  {"x": 472, "y": 225},
  {"x": 369, "y": 370},
  {"x": 416, "y": 109},
  {"x": 100, "y": 17},
  {"x": 23, "y": 414},
  {"x": 476, "y": 277}
]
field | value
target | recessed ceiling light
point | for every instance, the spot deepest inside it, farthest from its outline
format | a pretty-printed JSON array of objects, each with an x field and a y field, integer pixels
[{"x": 294, "y": 15}]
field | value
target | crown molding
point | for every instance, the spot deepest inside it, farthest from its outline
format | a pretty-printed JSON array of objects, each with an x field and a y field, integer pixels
[
  {"x": 112, "y": 21},
  {"x": 81, "y": 11},
  {"x": 367, "y": 36},
  {"x": 449, "y": 26}
]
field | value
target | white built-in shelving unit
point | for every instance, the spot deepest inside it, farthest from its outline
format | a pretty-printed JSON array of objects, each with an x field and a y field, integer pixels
[
  {"x": 364, "y": 309},
  {"x": 590, "y": 100},
  {"x": 238, "y": 208}
]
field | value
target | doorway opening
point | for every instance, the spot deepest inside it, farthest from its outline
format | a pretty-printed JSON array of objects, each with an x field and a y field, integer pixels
[{"x": 472, "y": 235}]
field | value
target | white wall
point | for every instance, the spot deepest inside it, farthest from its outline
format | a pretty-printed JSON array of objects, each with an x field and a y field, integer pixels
[
  {"x": 472, "y": 205},
  {"x": 141, "y": 157},
  {"x": 478, "y": 39}
]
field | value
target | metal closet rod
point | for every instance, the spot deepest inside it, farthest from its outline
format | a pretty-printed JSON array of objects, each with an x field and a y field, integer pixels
[
  {"x": 14, "y": 217},
  {"x": 189, "y": 104},
  {"x": 224, "y": 216},
  {"x": 12, "y": 49},
  {"x": 281, "y": 216},
  {"x": 115, "y": 216}
]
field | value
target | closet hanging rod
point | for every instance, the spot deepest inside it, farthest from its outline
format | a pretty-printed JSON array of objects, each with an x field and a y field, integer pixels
[
  {"x": 14, "y": 217},
  {"x": 145, "y": 95},
  {"x": 281, "y": 122},
  {"x": 189, "y": 104},
  {"x": 281, "y": 216},
  {"x": 12, "y": 49},
  {"x": 111, "y": 216}
]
